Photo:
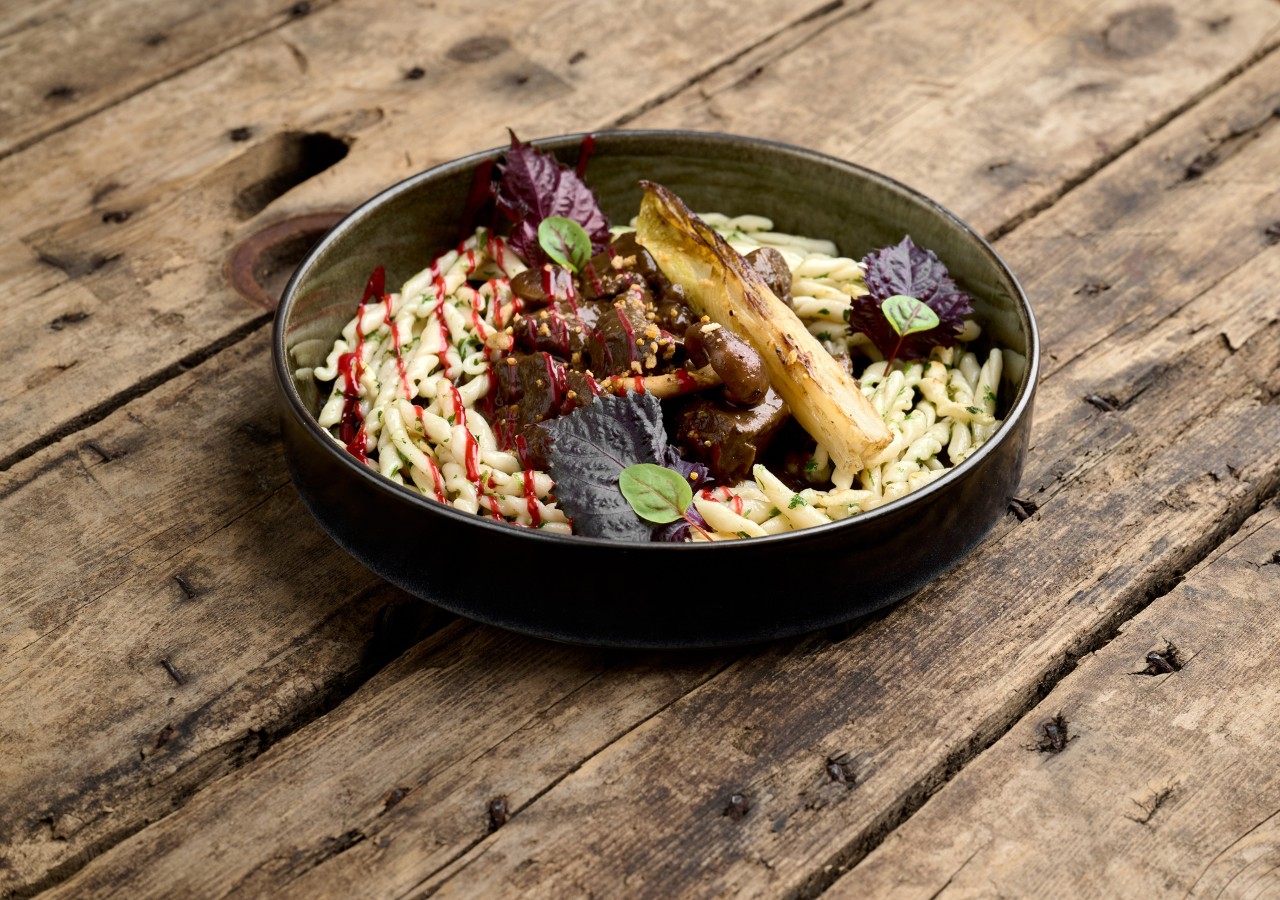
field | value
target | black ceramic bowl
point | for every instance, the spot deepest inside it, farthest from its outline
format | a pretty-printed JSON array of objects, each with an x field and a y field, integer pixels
[{"x": 594, "y": 591}]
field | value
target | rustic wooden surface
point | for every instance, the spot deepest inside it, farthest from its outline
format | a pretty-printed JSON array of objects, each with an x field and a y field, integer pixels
[{"x": 200, "y": 695}]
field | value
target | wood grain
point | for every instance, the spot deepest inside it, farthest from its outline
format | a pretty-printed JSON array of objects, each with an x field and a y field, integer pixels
[
  {"x": 63, "y": 61},
  {"x": 152, "y": 641},
  {"x": 1126, "y": 498},
  {"x": 1167, "y": 785},
  {"x": 353, "y": 87},
  {"x": 993, "y": 115}
]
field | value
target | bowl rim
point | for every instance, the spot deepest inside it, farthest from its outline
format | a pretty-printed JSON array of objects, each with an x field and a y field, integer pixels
[{"x": 394, "y": 491}]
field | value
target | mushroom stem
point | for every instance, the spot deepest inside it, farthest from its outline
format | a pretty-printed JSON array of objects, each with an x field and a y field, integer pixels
[{"x": 673, "y": 384}]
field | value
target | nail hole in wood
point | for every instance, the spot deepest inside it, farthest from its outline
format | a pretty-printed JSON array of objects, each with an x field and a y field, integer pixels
[
  {"x": 1053, "y": 735},
  {"x": 737, "y": 807},
  {"x": 840, "y": 769},
  {"x": 1162, "y": 662},
  {"x": 187, "y": 587},
  {"x": 1022, "y": 509},
  {"x": 478, "y": 49},
  {"x": 66, "y": 319},
  {"x": 394, "y": 796},
  {"x": 173, "y": 672},
  {"x": 499, "y": 813},
  {"x": 1093, "y": 288}
]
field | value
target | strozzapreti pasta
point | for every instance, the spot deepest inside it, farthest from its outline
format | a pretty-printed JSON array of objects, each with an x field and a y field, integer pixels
[{"x": 414, "y": 369}]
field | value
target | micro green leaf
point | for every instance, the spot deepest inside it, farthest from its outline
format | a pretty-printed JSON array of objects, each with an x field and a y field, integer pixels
[
  {"x": 656, "y": 493},
  {"x": 565, "y": 241},
  {"x": 907, "y": 315}
]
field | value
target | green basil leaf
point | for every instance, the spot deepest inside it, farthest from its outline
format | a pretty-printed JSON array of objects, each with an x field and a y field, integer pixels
[
  {"x": 565, "y": 241},
  {"x": 656, "y": 493},
  {"x": 908, "y": 315}
]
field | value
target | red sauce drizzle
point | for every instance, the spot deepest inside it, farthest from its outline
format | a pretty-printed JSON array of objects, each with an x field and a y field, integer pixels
[
  {"x": 631, "y": 333},
  {"x": 481, "y": 331},
  {"x": 395, "y": 343},
  {"x": 531, "y": 498},
  {"x": 530, "y": 494},
  {"x": 558, "y": 378},
  {"x": 685, "y": 380},
  {"x": 585, "y": 151},
  {"x": 472, "y": 453},
  {"x": 439, "y": 285},
  {"x": 638, "y": 384},
  {"x": 557, "y": 284},
  {"x": 351, "y": 365}
]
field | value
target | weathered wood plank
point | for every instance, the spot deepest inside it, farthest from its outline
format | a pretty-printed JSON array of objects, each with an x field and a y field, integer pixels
[
  {"x": 993, "y": 115},
  {"x": 538, "y": 83},
  {"x": 63, "y": 61},
  {"x": 152, "y": 525},
  {"x": 647, "y": 813},
  {"x": 151, "y": 639},
  {"x": 1168, "y": 783}
]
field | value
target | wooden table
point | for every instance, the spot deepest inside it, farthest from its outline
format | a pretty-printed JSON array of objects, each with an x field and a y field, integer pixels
[{"x": 200, "y": 695}]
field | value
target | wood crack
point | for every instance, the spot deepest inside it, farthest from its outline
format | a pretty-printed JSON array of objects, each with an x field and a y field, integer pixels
[
  {"x": 134, "y": 391},
  {"x": 952, "y": 877},
  {"x": 1225, "y": 850},
  {"x": 1070, "y": 184}
]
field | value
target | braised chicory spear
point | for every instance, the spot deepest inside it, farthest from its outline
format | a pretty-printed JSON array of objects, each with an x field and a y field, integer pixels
[{"x": 717, "y": 282}]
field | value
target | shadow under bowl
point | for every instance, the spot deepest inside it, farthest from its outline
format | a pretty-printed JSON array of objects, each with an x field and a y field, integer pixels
[{"x": 655, "y": 595}]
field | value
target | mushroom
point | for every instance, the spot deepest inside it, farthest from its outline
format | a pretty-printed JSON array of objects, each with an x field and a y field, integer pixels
[{"x": 733, "y": 359}]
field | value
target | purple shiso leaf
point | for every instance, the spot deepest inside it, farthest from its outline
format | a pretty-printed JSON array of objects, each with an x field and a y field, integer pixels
[
  {"x": 907, "y": 269},
  {"x": 671, "y": 458},
  {"x": 533, "y": 186},
  {"x": 590, "y": 447},
  {"x": 677, "y": 532}
]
